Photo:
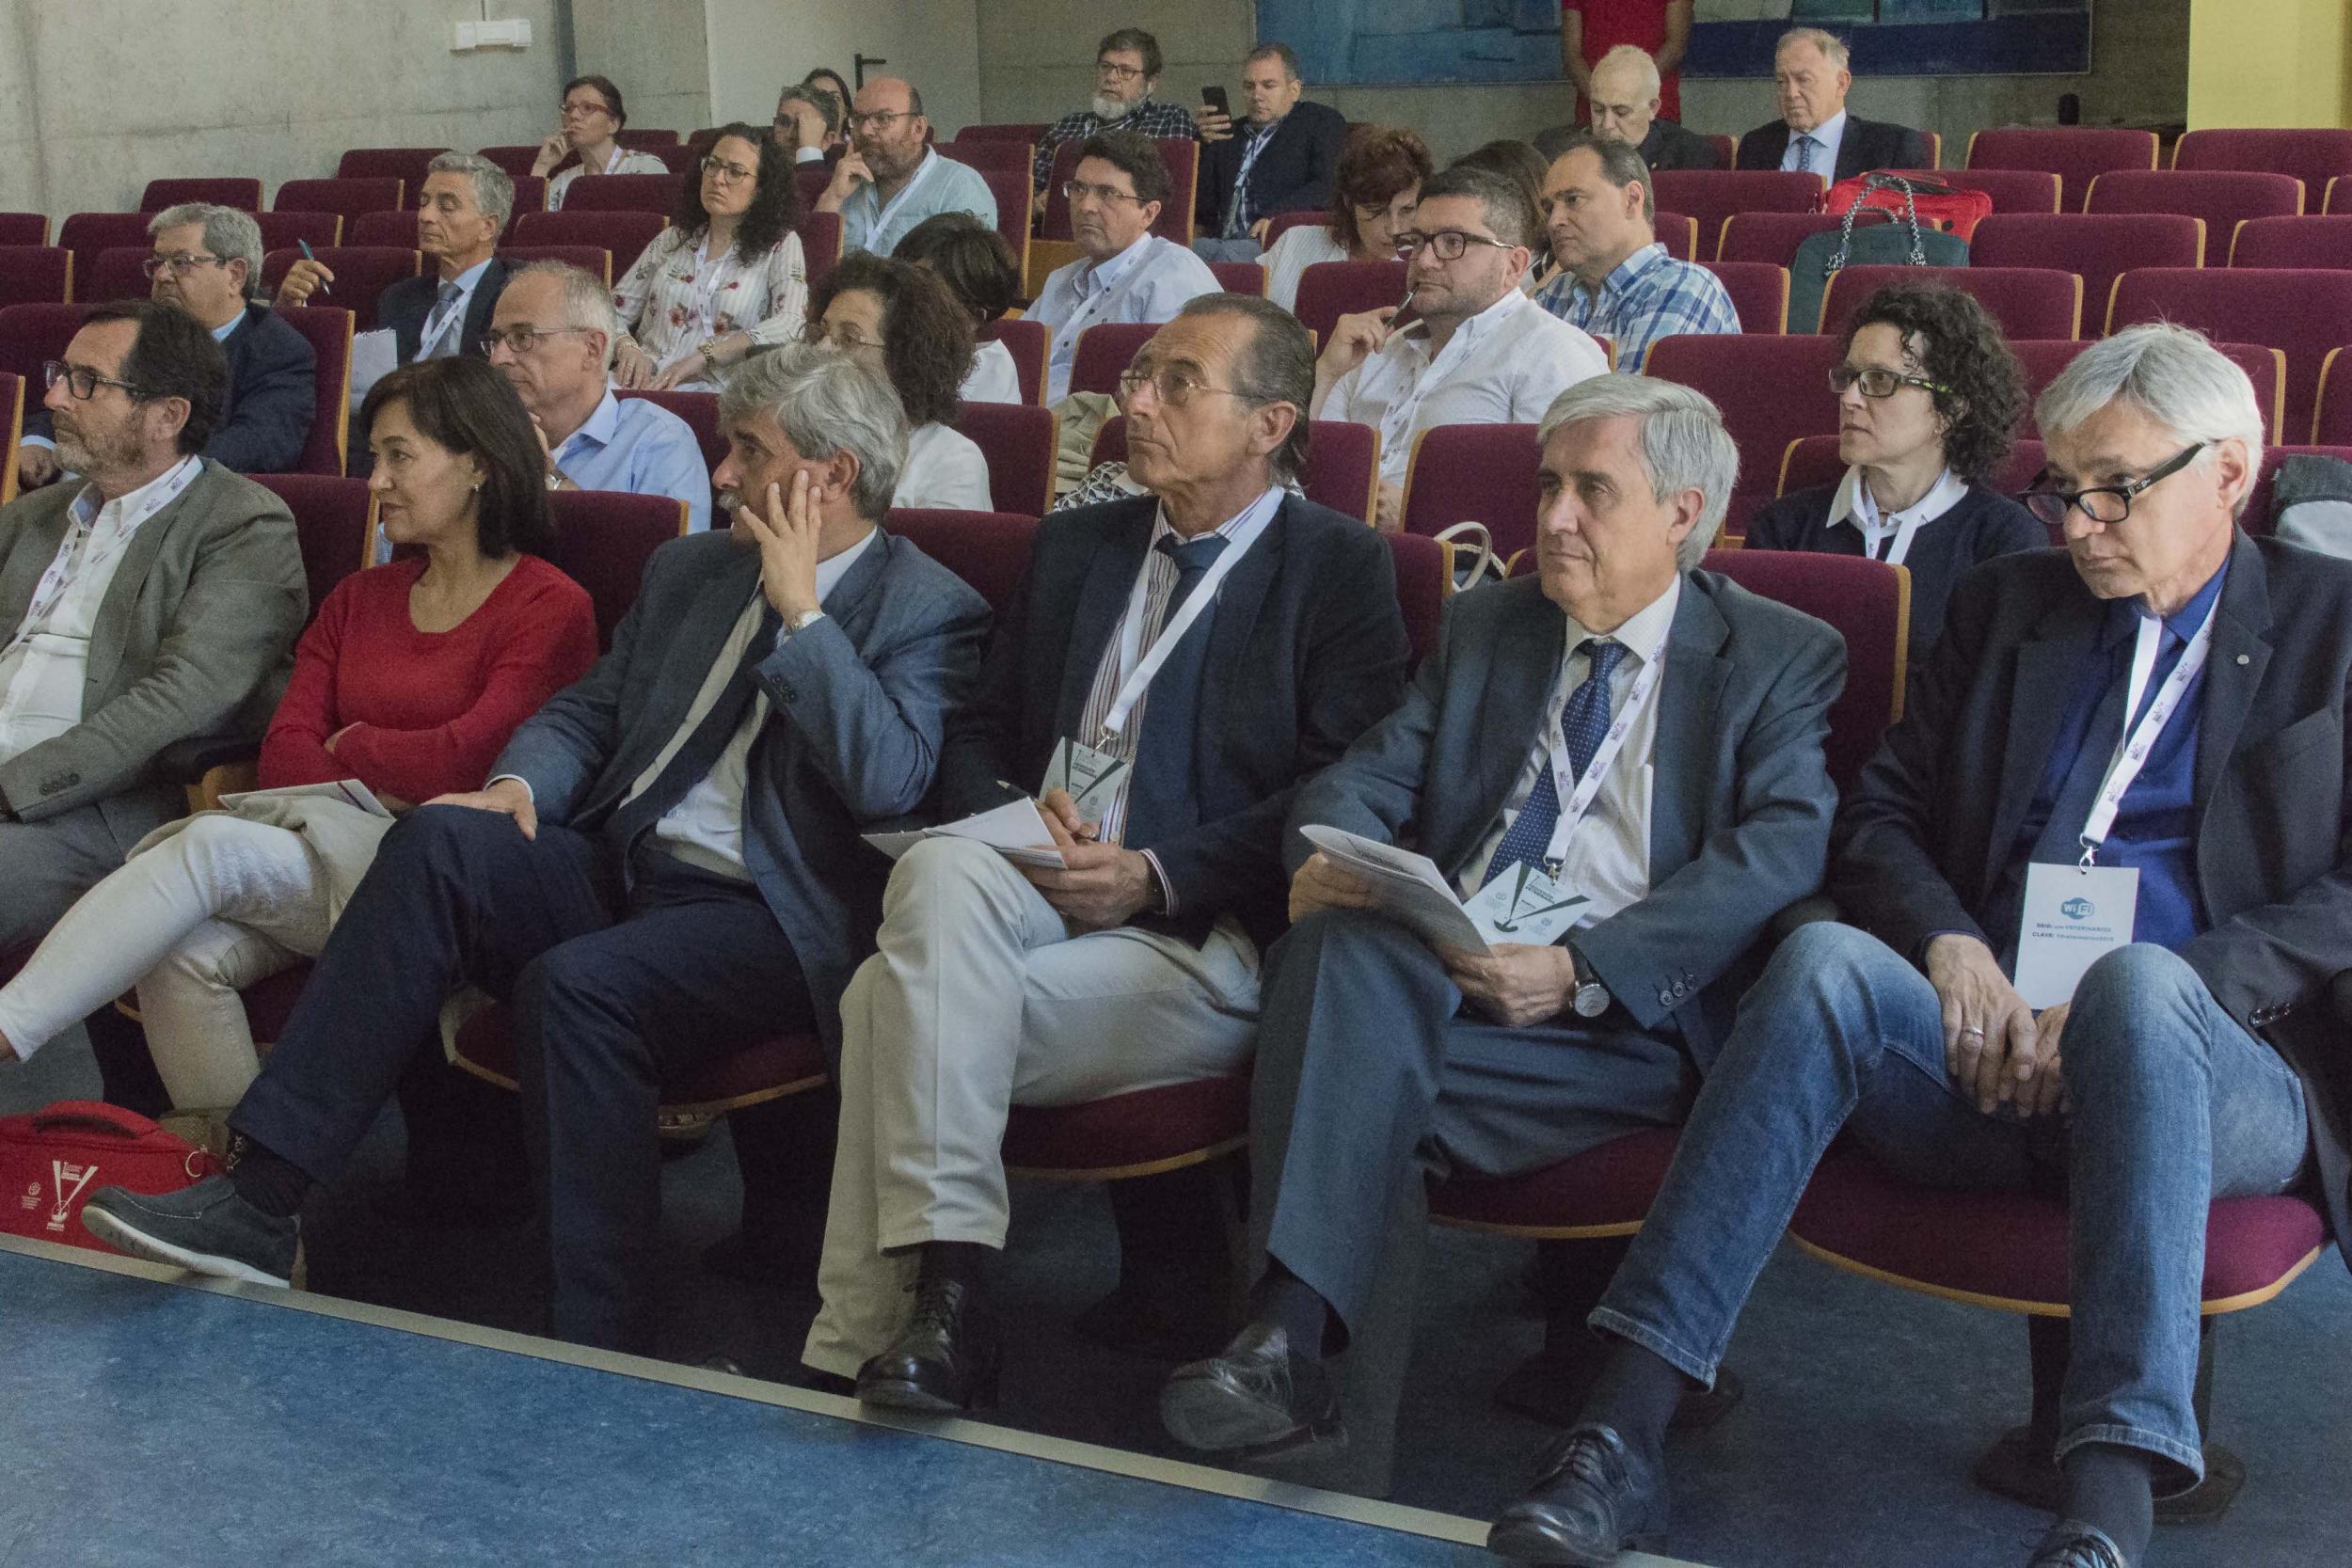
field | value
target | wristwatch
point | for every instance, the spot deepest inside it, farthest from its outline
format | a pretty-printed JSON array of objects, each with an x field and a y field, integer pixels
[{"x": 1591, "y": 998}]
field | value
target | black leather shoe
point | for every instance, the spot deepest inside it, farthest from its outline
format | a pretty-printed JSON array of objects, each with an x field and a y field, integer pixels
[
  {"x": 1257, "y": 1395},
  {"x": 1594, "y": 1498},
  {"x": 946, "y": 1359},
  {"x": 2072, "y": 1543}
]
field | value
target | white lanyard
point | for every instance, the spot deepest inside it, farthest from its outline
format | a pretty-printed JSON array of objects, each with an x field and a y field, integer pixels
[
  {"x": 614, "y": 162},
  {"x": 2131, "y": 751},
  {"x": 1141, "y": 672},
  {"x": 704, "y": 282},
  {"x": 84, "y": 551},
  {"x": 1945, "y": 494},
  {"x": 922, "y": 172},
  {"x": 1576, "y": 795}
]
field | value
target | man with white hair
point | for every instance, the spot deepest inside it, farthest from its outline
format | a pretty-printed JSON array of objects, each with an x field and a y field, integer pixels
[
  {"x": 2098, "y": 890},
  {"x": 1814, "y": 134},
  {"x": 1624, "y": 103},
  {"x": 461, "y": 211},
  {"x": 1617, "y": 765}
]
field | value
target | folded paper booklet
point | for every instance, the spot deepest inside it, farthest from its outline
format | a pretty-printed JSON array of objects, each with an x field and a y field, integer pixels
[
  {"x": 351, "y": 792},
  {"x": 1014, "y": 831},
  {"x": 1411, "y": 890}
]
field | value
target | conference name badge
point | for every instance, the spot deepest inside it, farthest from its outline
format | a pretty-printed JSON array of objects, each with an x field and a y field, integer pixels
[
  {"x": 1088, "y": 774},
  {"x": 2074, "y": 916},
  {"x": 1523, "y": 905}
]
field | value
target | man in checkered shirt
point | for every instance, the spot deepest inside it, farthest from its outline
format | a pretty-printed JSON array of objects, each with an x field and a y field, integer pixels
[{"x": 1126, "y": 73}]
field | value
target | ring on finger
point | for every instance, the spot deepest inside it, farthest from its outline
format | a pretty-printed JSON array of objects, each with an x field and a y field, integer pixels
[{"x": 1972, "y": 1029}]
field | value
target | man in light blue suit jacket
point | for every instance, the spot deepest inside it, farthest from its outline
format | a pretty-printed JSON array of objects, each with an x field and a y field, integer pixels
[{"x": 665, "y": 866}]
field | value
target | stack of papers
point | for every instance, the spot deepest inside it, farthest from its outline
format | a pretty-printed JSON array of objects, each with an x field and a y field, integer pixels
[
  {"x": 1014, "y": 831},
  {"x": 1410, "y": 889}
]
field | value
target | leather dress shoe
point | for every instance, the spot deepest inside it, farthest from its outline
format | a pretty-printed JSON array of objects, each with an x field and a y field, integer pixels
[
  {"x": 2072, "y": 1543},
  {"x": 946, "y": 1359},
  {"x": 1257, "y": 1396},
  {"x": 1594, "y": 1498}
]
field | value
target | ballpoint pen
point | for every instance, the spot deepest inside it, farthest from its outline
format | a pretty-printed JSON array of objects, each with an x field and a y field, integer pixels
[{"x": 324, "y": 286}]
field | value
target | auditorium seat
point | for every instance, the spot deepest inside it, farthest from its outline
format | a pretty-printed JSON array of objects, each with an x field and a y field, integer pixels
[
  {"x": 989, "y": 550},
  {"x": 89, "y": 235},
  {"x": 2312, "y": 154},
  {"x": 245, "y": 195},
  {"x": 2027, "y": 302},
  {"x": 2265, "y": 367},
  {"x": 328, "y": 329},
  {"x": 812, "y": 179},
  {"x": 625, "y": 193},
  {"x": 24, "y": 228},
  {"x": 334, "y": 522},
  {"x": 2076, "y": 154},
  {"x": 626, "y": 235},
  {"x": 1482, "y": 473},
  {"x": 1016, "y": 200},
  {"x": 2097, "y": 247},
  {"x": 1103, "y": 352},
  {"x": 530, "y": 196},
  {"x": 31, "y": 336},
  {"x": 2338, "y": 195},
  {"x": 2301, "y": 312},
  {"x": 395, "y": 229},
  {"x": 2332, "y": 425},
  {"x": 404, "y": 163},
  {"x": 1729, "y": 369},
  {"x": 2297, "y": 242},
  {"x": 1017, "y": 439},
  {"x": 287, "y": 230},
  {"x": 1758, "y": 291},
  {"x": 1710, "y": 195},
  {"x": 1679, "y": 233},
  {"x": 1182, "y": 157},
  {"x": 821, "y": 244},
  {"x": 700, "y": 410},
  {"x": 362, "y": 272},
  {"x": 2222, "y": 198},
  {"x": 1342, "y": 462},
  {"x": 593, "y": 260},
  {"x": 676, "y": 157},
  {"x": 1774, "y": 237},
  {"x": 1726, "y": 148},
  {"x": 118, "y": 272},
  {"x": 1814, "y": 461},
  {"x": 1031, "y": 345},
  {"x": 12, "y": 399},
  {"x": 989, "y": 152},
  {"x": 1329, "y": 290},
  {"x": 1239, "y": 277},
  {"x": 1282, "y": 223},
  {"x": 519, "y": 158},
  {"x": 2013, "y": 190},
  {"x": 36, "y": 273},
  {"x": 349, "y": 198}
]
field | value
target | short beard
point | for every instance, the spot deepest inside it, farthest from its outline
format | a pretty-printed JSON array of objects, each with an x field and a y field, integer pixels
[
  {"x": 1105, "y": 106},
  {"x": 90, "y": 455}
]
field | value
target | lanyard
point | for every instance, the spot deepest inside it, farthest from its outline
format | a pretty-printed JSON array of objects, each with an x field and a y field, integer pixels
[
  {"x": 1252, "y": 524},
  {"x": 84, "y": 551},
  {"x": 883, "y": 216},
  {"x": 704, "y": 282},
  {"x": 2132, "y": 749},
  {"x": 1578, "y": 795},
  {"x": 1945, "y": 494},
  {"x": 614, "y": 162},
  {"x": 441, "y": 320},
  {"x": 1241, "y": 177}
]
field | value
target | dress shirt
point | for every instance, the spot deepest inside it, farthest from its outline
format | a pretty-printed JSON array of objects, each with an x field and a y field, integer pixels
[
  {"x": 630, "y": 444},
  {"x": 1854, "y": 507},
  {"x": 1295, "y": 249},
  {"x": 944, "y": 468},
  {"x": 1830, "y": 135},
  {"x": 1238, "y": 213},
  {"x": 46, "y": 663},
  {"x": 808, "y": 155},
  {"x": 451, "y": 324},
  {"x": 1607, "y": 858},
  {"x": 1149, "y": 281},
  {"x": 1648, "y": 296},
  {"x": 1151, "y": 117},
  {"x": 623, "y": 161},
  {"x": 937, "y": 185},
  {"x": 678, "y": 294},
  {"x": 993, "y": 376},
  {"x": 1502, "y": 366}
]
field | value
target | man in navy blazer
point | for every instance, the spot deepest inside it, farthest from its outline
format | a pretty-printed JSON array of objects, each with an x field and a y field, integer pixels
[
  {"x": 1280, "y": 159},
  {"x": 2198, "y": 879},
  {"x": 460, "y": 215},
  {"x": 1814, "y": 134},
  {"x": 1686, "y": 716},
  {"x": 665, "y": 864},
  {"x": 1175, "y": 665}
]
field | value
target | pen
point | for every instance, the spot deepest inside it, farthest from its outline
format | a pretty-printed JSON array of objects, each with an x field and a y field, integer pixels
[{"x": 324, "y": 288}]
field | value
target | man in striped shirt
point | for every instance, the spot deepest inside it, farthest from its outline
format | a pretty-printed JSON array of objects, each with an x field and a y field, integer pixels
[
  {"x": 1615, "y": 280},
  {"x": 1126, "y": 73}
]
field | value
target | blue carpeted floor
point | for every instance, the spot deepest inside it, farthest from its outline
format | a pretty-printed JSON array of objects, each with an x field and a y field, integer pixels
[{"x": 1866, "y": 1405}]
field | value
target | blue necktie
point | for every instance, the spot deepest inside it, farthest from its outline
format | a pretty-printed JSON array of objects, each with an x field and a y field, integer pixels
[
  {"x": 1806, "y": 147},
  {"x": 1160, "y": 797},
  {"x": 708, "y": 742},
  {"x": 444, "y": 343},
  {"x": 1585, "y": 724}
]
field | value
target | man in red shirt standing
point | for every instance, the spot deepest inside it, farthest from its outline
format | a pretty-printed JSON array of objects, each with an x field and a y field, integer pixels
[{"x": 1659, "y": 29}]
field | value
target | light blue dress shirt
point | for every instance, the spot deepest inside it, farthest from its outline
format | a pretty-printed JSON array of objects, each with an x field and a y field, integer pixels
[
  {"x": 1149, "y": 281},
  {"x": 642, "y": 447},
  {"x": 1828, "y": 136},
  {"x": 938, "y": 185},
  {"x": 450, "y": 339}
]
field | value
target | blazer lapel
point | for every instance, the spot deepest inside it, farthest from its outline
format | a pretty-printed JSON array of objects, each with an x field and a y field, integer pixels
[
  {"x": 2049, "y": 665},
  {"x": 33, "y": 548},
  {"x": 1110, "y": 578},
  {"x": 1520, "y": 680},
  {"x": 1687, "y": 740},
  {"x": 111, "y": 630},
  {"x": 2233, "y": 671}
]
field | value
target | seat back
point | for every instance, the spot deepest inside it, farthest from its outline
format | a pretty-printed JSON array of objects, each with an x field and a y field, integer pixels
[
  {"x": 700, "y": 410},
  {"x": 530, "y": 196},
  {"x": 2013, "y": 190},
  {"x": 1104, "y": 351},
  {"x": 821, "y": 244},
  {"x": 1729, "y": 369},
  {"x": 2028, "y": 302},
  {"x": 1482, "y": 473},
  {"x": 362, "y": 272},
  {"x": 1758, "y": 291},
  {"x": 1342, "y": 462},
  {"x": 328, "y": 329},
  {"x": 2297, "y": 242},
  {"x": 36, "y": 273},
  {"x": 118, "y": 274},
  {"x": 2095, "y": 246},
  {"x": 2263, "y": 366},
  {"x": 398, "y": 230},
  {"x": 1869, "y": 602},
  {"x": 1031, "y": 345},
  {"x": 287, "y": 230},
  {"x": 2223, "y": 198},
  {"x": 12, "y": 426},
  {"x": 1239, "y": 277},
  {"x": 623, "y": 193},
  {"x": 1026, "y": 131},
  {"x": 2076, "y": 154},
  {"x": 1329, "y": 290},
  {"x": 1679, "y": 233},
  {"x": 1710, "y": 195},
  {"x": 989, "y": 152},
  {"x": 347, "y": 197},
  {"x": 2302, "y": 312},
  {"x": 2332, "y": 425},
  {"x": 989, "y": 550},
  {"x": 518, "y": 158},
  {"x": 603, "y": 539},
  {"x": 404, "y": 163},
  {"x": 245, "y": 195},
  {"x": 89, "y": 235},
  {"x": 1017, "y": 439},
  {"x": 1424, "y": 581},
  {"x": 1280, "y": 224},
  {"x": 2314, "y": 154},
  {"x": 1016, "y": 200},
  {"x": 649, "y": 138},
  {"x": 626, "y": 235},
  {"x": 24, "y": 228},
  {"x": 334, "y": 524},
  {"x": 1182, "y": 156},
  {"x": 1814, "y": 460},
  {"x": 677, "y": 157},
  {"x": 32, "y": 335},
  {"x": 593, "y": 260}
]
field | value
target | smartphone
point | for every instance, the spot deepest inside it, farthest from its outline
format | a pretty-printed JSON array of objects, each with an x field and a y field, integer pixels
[{"x": 1214, "y": 98}]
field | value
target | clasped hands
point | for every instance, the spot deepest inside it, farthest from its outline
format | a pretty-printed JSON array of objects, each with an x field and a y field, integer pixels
[{"x": 1995, "y": 1051}]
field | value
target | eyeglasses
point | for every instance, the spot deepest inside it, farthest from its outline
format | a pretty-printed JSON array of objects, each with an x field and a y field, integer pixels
[
  {"x": 718, "y": 168},
  {"x": 819, "y": 335},
  {"x": 1115, "y": 72},
  {"x": 581, "y": 111},
  {"x": 1075, "y": 189},
  {"x": 1877, "y": 383},
  {"x": 523, "y": 337},
  {"x": 1449, "y": 244},
  {"x": 1174, "y": 385},
  {"x": 82, "y": 382},
  {"x": 180, "y": 265},
  {"x": 2108, "y": 504},
  {"x": 876, "y": 119}
]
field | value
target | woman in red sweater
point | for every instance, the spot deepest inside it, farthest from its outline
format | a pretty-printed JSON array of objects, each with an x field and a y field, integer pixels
[{"x": 408, "y": 681}]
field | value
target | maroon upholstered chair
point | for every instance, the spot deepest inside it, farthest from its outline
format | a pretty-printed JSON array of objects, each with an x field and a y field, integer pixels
[
  {"x": 1181, "y": 155},
  {"x": 328, "y": 329},
  {"x": 1024, "y": 130},
  {"x": 35, "y": 275},
  {"x": 603, "y": 539},
  {"x": 1729, "y": 369},
  {"x": 1016, "y": 201},
  {"x": 1726, "y": 148},
  {"x": 2223, "y": 198},
  {"x": 1239, "y": 277},
  {"x": 2098, "y": 247},
  {"x": 1711, "y": 195},
  {"x": 1482, "y": 473},
  {"x": 1774, "y": 236},
  {"x": 2076, "y": 154},
  {"x": 989, "y": 550},
  {"x": 1017, "y": 439},
  {"x": 2264, "y": 366},
  {"x": 2338, "y": 195},
  {"x": 1679, "y": 233},
  {"x": 348, "y": 198},
  {"x": 623, "y": 193},
  {"x": 2303, "y": 314},
  {"x": 516, "y": 158},
  {"x": 2332, "y": 425},
  {"x": 334, "y": 521},
  {"x": 1282, "y": 223},
  {"x": 32, "y": 335},
  {"x": 626, "y": 235},
  {"x": 1030, "y": 344},
  {"x": 286, "y": 230},
  {"x": 812, "y": 179},
  {"x": 2013, "y": 190},
  {"x": 245, "y": 195},
  {"x": 530, "y": 196},
  {"x": 650, "y": 139},
  {"x": 1758, "y": 291},
  {"x": 593, "y": 260},
  {"x": 89, "y": 235},
  {"x": 821, "y": 244},
  {"x": 1104, "y": 351},
  {"x": 1329, "y": 290},
  {"x": 766, "y": 1068},
  {"x": 24, "y": 228},
  {"x": 1342, "y": 462},
  {"x": 676, "y": 157},
  {"x": 989, "y": 152},
  {"x": 404, "y": 163},
  {"x": 2028, "y": 302},
  {"x": 120, "y": 272},
  {"x": 700, "y": 410},
  {"x": 397, "y": 230},
  {"x": 362, "y": 272},
  {"x": 1424, "y": 581},
  {"x": 2314, "y": 154},
  {"x": 2311, "y": 241}
]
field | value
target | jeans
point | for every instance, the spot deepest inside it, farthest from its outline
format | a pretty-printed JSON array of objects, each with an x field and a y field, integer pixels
[
  {"x": 2175, "y": 1105},
  {"x": 1209, "y": 247}
]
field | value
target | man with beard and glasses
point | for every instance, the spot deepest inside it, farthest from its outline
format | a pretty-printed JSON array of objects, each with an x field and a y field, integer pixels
[
  {"x": 892, "y": 179},
  {"x": 1126, "y": 74}
]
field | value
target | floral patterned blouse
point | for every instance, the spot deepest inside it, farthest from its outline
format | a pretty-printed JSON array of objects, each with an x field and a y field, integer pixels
[{"x": 675, "y": 297}]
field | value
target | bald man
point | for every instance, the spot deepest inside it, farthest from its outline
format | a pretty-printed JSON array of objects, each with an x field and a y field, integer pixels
[
  {"x": 890, "y": 180},
  {"x": 1623, "y": 100}
]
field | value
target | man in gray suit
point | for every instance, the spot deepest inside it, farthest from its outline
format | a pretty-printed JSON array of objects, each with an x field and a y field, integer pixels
[
  {"x": 154, "y": 606},
  {"x": 1625, "y": 729},
  {"x": 665, "y": 864}
]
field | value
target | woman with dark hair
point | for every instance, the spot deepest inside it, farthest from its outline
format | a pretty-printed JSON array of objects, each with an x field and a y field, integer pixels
[
  {"x": 1520, "y": 162},
  {"x": 1929, "y": 396},
  {"x": 725, "y": 279},
  {"x": 593, "y": 117},
  {"x": 977, "y": 264},
  {"x": 900, "y": 323},
  {"x": 825, "y": 79},
  {"x": 405, "y": 686},
  {"x": 1373, "y": 191}
]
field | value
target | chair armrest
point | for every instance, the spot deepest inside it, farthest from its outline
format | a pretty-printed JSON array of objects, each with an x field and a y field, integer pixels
[
  {"x": 187, "y": 761},
  {"x": 228, "y": 778}
]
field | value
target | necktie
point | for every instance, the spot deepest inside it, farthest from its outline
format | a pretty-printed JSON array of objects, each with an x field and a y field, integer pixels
[
  {"x": 710, "y": 739},
  {"x": 1160, "y": 797},
  {"x": 1584, "y": 722},
  {"x": 444, "y": 342},
  {"x": 1807, "y": 147}
]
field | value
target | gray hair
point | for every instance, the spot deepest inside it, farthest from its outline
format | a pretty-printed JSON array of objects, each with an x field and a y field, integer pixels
[
  {"x": 231, "y": 235},
  {"x": 825, "y": 403},
  {"x": 587, "y": 304},
  {"x": 2169, "y": 374},
  {"x": 1636, "y": 59},
  {"x": 1684, "y": 445},
  {"x": 493, "y": 188},
  {"x": 1832, "y": 48},
  {"x": 828, "y": 110}
]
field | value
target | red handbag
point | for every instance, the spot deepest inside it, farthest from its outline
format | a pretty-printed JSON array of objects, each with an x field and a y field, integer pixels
[
  {"x": 1937, "y": 205},
  {"x": 53, "y": 1159}
]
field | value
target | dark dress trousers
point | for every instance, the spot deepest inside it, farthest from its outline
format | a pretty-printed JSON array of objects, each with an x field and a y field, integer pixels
[
  {"x": 404, "y": 306},
  {"x": 1293, "y": 173},
  {"x": 1868, "y": 144}
]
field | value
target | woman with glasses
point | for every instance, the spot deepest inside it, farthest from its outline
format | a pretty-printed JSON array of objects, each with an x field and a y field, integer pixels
[
  {"x": 408, "y": 681},
  {"x": 899, "y": 322},
  {"x": 1373, "y": 191},
  {"x": 1929, "y": 396},
  {"x": 593, "y": 118},
  {"x": 977, "y": 264},
  {"x": 725, "y": 278}
]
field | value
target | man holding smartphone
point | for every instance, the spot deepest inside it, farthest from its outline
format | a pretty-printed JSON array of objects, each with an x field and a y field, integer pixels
[{"x": 1279, "y": 159}]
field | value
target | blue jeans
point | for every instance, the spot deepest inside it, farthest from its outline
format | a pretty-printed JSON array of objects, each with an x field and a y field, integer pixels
[
  {"x": 1210, "y": 248},
  {"x": 2175, "y": 1105}
]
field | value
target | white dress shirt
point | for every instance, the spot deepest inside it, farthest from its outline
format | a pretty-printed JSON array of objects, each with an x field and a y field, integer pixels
[
  {"x": 1293, "y": 251},
  {"x": 1149, "y": 281},
  {"x": 1607, "y": 858},
  {"x": 944, "y": 468},
  {"x": 624, "y": 160},
  {"x": 1831, "y": 134},
  {"x": 993, "y": 376},
  {"x": 1502, "y": 366},
  {"x": 1856, "y": 508}
]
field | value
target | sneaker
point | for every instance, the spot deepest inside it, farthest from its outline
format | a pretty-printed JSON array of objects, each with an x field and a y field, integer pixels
[{"x": 206, "y": 1229}]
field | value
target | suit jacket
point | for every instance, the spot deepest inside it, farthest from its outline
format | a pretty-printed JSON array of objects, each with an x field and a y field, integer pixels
[
  {"x": 851, "y": 745},
  {"x": 404, "y": 306},
  {"x": 1924, "y": 842},
  {"x": 1868, "y": 143},
  {"x": 272, "y": 396},
  {"x": 1667, "y": 146},
  {"x": 1307, "y": 649},
  {"x": 1740, "y": 799},
  {"x": 193, "y": 643},
  {"x": 1293, "y": 173}
]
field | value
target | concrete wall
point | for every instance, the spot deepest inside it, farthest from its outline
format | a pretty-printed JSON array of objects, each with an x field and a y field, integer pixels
[
  {"x": 2270, "y": 62},
  {"x": 101, "y": 96},
  {"x": 1037, "y": 59},
  {"x": 654, "y": 50},
  {"x": 755, "y": 46}
]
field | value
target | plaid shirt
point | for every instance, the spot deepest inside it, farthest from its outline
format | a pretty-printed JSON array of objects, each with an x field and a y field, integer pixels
[
  {"x": 1651, "y": 295},
  {"x": 1150, "y": 117}
]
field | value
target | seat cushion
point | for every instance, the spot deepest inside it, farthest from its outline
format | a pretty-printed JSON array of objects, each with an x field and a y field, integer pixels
[
  {"x": 269, "y": 1003},
  {"x": 767, "y": 1068},
  {"x": 1604, "y": 1191},
  {"x": 1131, "y": 1134}
]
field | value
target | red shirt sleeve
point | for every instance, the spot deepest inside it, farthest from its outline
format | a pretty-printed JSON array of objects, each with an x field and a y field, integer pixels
[{"x": 293, "y": 751}]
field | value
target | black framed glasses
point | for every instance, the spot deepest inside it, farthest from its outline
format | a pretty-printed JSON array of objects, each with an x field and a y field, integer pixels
[
  {"x": 82, "y": 382},
  {"x": 1074, "y": 189},
  {"x": 180, "y": 265},
  {"x": 878, "y": 120},
  {"x": 1174, "y": 385},
  {"x": 2104, "y": 504},
  {"x": 523, "y": 337},
  {"x": 1450, "y": 244},
  {"x": 719, "y": 168},
  {"x": 1877, "y": 383},
  {"x": 817, "y": 335}
]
